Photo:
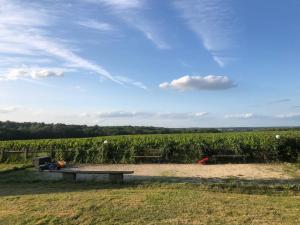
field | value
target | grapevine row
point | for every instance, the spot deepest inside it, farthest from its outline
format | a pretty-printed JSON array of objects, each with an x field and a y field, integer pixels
[{"x": 174, "y": 148}]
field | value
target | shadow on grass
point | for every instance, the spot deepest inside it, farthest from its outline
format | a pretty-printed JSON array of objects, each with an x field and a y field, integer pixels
[{"x": 29, "y": 182}]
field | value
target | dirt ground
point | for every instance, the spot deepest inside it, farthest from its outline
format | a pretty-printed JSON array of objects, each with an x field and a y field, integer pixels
[{"x": 242, "y": 171}]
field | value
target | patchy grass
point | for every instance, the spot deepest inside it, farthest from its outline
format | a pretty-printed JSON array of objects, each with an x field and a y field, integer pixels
[
  {"x": 28, "y": 200},
  {"x": 4, "y": 167},
  {"x": 297, "y": 165},
  {"x": 292, "y": 169}
]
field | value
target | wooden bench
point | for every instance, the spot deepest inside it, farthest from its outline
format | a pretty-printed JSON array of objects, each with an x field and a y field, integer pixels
[{"x": 70, "y": 174}]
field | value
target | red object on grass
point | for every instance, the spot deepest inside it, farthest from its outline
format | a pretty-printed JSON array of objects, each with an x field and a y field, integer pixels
[{"x": 202, "y": 161}]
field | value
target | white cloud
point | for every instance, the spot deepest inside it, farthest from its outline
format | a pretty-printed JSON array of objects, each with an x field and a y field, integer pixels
[
  {"x": 295, "y": 115},
  {"x": 196, "y": 115},
  {"x": 4, "y": 110},
  {"x": 210, "y": 82},
  {"x": 121, "y": 114},
  {"x": 201, "y": 114},
  {"x": 94, "y": 24},
  {"x": 164, "y": 85},
  {"x": 214, "y": 22},
  {"x": 240, "y": 116},
  {"x": 289, "y": 116},
  {"x": 34, "y": 73}
]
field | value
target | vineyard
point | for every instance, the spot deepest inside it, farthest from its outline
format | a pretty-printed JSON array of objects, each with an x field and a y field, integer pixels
[{"x": 173, "y": 148}]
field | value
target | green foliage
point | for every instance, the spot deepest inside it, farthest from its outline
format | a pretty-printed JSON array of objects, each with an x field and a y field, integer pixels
[{"x": 177, "y": 148}]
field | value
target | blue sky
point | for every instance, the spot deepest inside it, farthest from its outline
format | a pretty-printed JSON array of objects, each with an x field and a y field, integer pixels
[{"x": 172, "y": 63}]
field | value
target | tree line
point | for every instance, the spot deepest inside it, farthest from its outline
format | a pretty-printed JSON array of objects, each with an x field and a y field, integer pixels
[{"x": 30, "y": 130}]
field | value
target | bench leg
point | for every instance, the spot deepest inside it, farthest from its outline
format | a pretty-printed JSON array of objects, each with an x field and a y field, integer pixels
[
  {"x": 116, "y": 178},
  {"x": 71, "y": 177}
]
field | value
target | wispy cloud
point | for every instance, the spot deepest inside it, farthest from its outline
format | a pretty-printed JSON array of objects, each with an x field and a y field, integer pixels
[
  {"x": 78, "y": 88},
  {"x": 24, "y": 32},
  {"x": 120, "y": 4},
  {"x": 278, "y": 101},
  {"x": 210, "y": 82},
  {"x": 215, "y": 24},
  {"x": 132, "y": 12},
  {"x": 184, "y": 63},
  {"x": 96, "y": 25},
  {"x": 273, "y": 102},
  {"x": 149, "y": 30},
  {"x": 127, "y": 80},
  {"x": 7, "y": 61}
]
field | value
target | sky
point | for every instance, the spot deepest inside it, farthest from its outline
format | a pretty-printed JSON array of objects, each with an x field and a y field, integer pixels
[{"x": 170, "y": 63}]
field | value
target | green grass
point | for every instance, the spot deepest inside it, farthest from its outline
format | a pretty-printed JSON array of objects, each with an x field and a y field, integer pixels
[
  {"x": 25, "y": 199},
  {"x": 4, "y": 167},
  {"x": 144, "y": 204}
]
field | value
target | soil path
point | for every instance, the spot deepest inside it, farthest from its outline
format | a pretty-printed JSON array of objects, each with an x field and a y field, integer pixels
[{"x": 243, "y": 171}]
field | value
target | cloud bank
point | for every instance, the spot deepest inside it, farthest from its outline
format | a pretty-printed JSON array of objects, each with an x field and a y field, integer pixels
[{"x": 133, "y": 114}]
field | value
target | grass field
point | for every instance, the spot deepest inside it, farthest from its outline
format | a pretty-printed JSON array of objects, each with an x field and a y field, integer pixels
[{"x": 26, "y": 200}]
